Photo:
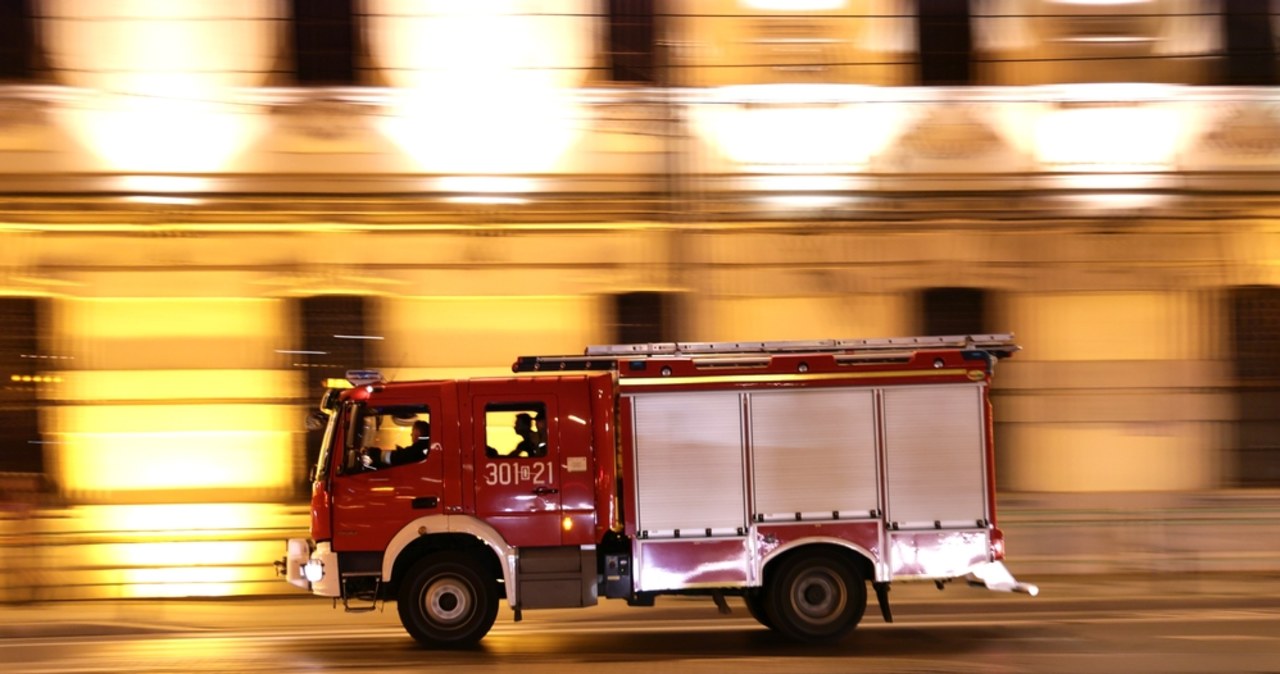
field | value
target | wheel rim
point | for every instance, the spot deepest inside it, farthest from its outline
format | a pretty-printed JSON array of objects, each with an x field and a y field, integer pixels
[
  {"x": 819, "y": 597},
  {"x": 447, "y": 601}
]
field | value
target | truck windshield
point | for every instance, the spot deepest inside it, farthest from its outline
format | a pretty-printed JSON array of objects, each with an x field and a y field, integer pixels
[{"x": 326, "y": 449}]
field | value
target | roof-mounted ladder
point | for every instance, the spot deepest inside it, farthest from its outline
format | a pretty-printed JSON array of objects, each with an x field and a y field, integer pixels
[{"x": 606, "y": 356}]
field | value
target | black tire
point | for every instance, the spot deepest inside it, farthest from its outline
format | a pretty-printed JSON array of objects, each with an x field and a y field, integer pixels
[
  {"x": 758, "y": 606},
  {"x": 445, "y": 603},
  {"x": 816, "y": 597}
]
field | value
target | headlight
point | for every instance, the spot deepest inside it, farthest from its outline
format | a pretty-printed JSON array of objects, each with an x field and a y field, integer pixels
[{"x": 313, "y": 571}]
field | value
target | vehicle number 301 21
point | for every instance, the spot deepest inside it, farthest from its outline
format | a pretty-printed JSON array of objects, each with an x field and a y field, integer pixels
[{"x": 507, "y": 473}]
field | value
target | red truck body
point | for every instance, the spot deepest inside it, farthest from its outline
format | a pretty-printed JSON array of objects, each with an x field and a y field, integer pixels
[{"x": 788, "y": 473}]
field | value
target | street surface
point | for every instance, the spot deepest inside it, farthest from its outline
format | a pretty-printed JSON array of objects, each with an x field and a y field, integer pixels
[{"x": 1158, "y": 624}]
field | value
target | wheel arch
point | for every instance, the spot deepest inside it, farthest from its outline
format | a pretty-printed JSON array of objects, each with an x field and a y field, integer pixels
[
  {"x": 433, "y": 533},
  {"x": 858, "y": 556}
]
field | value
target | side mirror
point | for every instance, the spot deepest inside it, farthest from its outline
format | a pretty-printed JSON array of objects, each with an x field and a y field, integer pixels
[
  {"x": 316, "y": 421},
  {"x": 330, "y": 400}
]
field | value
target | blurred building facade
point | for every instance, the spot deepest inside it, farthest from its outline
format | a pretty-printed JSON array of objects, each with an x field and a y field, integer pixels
[{"x": 208, "y": 207}]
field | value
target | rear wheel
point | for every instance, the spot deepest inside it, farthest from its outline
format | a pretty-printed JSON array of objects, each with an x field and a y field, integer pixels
[
  {"x": 816, "y": 597},
  {"x": 445, "y": 602}
]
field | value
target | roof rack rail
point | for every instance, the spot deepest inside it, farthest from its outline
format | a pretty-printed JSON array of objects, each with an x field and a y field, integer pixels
[
  {"x": 987, "y": 342},
  {"x": 606, "y": 356}
]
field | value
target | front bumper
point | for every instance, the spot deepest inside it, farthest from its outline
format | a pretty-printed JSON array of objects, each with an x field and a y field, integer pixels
[{"x": 310, "y": 566}]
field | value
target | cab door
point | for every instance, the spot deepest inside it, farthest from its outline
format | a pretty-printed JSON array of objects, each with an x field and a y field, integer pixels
[
  {"x": 371, "y": 503},
  {"x": 517, "y": 461}
]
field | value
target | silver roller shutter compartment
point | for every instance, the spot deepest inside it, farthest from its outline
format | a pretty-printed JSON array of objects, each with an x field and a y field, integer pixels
[
  {"x": 689, "y": 464},
  {"x": 814, "y": 454},
  {"x": 934, "y": 456}
]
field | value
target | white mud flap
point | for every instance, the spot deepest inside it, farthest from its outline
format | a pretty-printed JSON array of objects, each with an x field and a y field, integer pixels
[{"x": 994, "y": 576}]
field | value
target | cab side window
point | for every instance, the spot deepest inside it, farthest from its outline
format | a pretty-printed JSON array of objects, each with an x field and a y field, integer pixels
[
  {"x": 515, "y": 430},
  {"x": 386, "y": 437}
]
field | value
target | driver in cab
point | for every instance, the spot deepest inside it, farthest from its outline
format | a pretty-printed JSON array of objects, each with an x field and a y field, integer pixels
[{"x": 373, "y": 458}]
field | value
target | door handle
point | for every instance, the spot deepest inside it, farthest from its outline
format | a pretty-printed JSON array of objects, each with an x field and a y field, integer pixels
[
  {"x": 424, "y": 502},
  {"x": 543, "y": 491}
]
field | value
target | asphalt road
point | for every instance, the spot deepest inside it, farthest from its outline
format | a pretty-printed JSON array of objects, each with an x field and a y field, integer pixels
[{"x": 1140, "y": 627}]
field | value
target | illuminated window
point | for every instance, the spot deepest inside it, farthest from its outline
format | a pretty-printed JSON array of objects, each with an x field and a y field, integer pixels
[
  {"x": 632, "y": 44},
  {"x": 18, "y": 52},
  {"x": 25, "y": 373},
  {"x": 945, "y": 42},
  {"x": 325, "y": 42},
  {"x": 642, "y": 317},
  {"x": 1255, "y": 335},
  {"x": 954, "y": 311},
  {"x": 1250, "y": 43},
  {"x": 515, "y": 430}
]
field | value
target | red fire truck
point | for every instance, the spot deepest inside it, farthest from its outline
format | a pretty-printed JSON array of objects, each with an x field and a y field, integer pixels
[{"x": 789, "y": 474}]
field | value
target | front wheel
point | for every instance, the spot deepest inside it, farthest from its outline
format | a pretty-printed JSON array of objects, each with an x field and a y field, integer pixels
[
  {"x": 816, "y": 597},
  {"x": 444, "y": 602}
]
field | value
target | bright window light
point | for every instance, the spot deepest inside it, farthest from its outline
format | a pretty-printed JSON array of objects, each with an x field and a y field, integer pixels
[
  {"x": 156, "y": 80},
  {"x": 794, "y": 5},
  {"x": 484, "y": 87},
  {"x": 483, "y": 184},
  {"x": 1120, "y": 138}
]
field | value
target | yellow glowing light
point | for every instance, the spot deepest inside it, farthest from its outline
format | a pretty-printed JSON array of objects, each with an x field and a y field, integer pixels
[
  {"x": 1110, "y": 201},
  {"x": 567, "y": 524},
  {"x": 1108, "y": 139},
  {"x": 170, "y": 317},
  {"x": 183, "y": 568},
  {"x": 1111, "y": 128},
  {"x": 158, "y": 79},
  {"x": 183, "y": 580},
  {"x": 484, "y": 87},
  {"x": 806, "y": 201},
  {"x": 170, "y": 385},
  {"x": 794, "y": 5},
  {"x": 175, "y": 550},
  {"x": 163, "y": 184},
  {"x": 484, "y": 184},
  {"x": 205, "y": 588},
  {"x": 485, "y": 189},
  {"x": 512, "y": 127},
  {"x": 185, "y": 554},
  {"x": 800, "y": 183},
  {"x": 159, "y": 435},
  {"x": 422, "y": 45},
  {"x": 192, "y": 517},
  {"x": 799, "y": 128},
  {"x": 174, "y": 447}
]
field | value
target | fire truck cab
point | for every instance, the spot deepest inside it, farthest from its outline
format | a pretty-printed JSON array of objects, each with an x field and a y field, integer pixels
[{"x": 790, "y": 474}]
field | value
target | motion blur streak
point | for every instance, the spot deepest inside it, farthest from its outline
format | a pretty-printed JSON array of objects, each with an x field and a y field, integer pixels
[{"x": 194, "y": 200}]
